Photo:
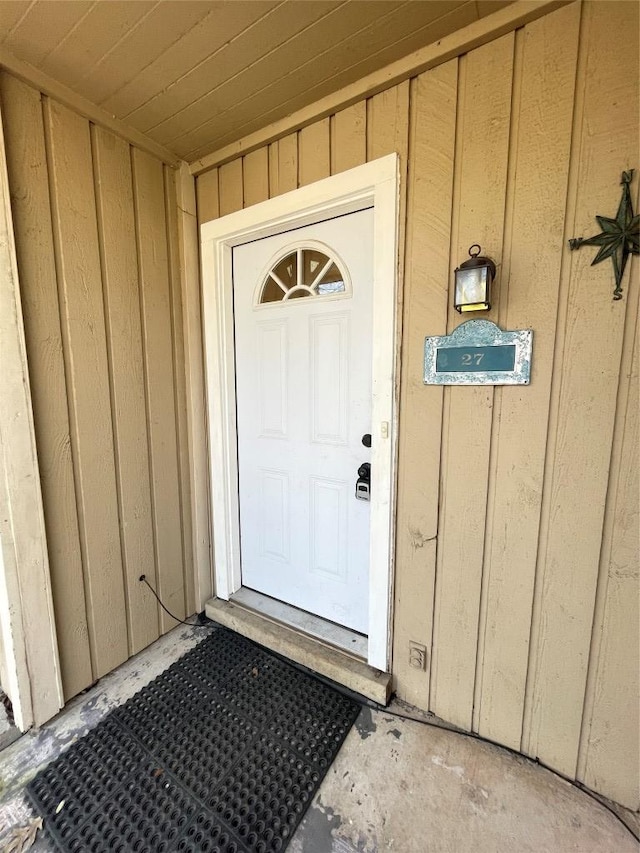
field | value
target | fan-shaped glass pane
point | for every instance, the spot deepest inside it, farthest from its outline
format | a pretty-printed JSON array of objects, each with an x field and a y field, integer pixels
[
  {"x": 312, "y": 266},
  {"x": 287, "y": 270},
  {"x": 271, "y": 292},
  {"x": 332, "y": 281}
]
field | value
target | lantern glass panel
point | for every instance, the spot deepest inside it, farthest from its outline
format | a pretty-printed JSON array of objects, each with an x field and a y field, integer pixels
[{"x": 471, "y": 287}]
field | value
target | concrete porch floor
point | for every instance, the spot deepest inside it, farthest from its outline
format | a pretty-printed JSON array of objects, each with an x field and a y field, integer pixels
[{"x": 396, "y": 785}]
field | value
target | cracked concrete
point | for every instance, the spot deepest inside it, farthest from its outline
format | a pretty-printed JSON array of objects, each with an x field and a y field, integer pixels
[{"x": 400, "y": 785}]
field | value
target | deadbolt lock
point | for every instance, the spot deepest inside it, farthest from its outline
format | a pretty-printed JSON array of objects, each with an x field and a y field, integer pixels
[{"x": 363, "y": 483}]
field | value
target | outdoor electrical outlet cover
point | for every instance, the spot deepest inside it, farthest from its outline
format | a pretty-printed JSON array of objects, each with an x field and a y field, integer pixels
[{"x": 417, "y": 656}]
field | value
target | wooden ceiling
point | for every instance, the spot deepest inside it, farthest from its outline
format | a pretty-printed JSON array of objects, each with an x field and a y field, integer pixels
[{"x": 195, "y": 75}]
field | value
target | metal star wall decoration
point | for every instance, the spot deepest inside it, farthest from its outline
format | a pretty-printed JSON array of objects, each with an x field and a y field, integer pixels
[{"x": 619, "y": 238}]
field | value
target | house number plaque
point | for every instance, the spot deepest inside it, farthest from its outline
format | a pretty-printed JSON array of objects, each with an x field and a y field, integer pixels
[{"x": 478, "y": 353}]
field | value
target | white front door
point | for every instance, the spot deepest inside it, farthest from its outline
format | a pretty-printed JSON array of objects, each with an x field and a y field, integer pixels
[{"x": 303, "y": 347}]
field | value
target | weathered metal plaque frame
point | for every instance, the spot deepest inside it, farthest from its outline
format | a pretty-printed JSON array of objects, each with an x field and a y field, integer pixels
[{"x": 478, "y": 335}]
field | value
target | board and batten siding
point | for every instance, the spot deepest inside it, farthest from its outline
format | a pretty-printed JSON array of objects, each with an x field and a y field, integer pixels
[
  {"x": 517, "y": 513},
  {"x": 96, "y": 242}
]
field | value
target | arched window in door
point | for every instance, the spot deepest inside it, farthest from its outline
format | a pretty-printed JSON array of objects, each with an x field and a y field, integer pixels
[{"x": 307, "y": 271}]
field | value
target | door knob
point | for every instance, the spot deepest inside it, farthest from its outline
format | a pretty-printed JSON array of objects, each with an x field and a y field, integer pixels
[{"x": 366, "y": 439}]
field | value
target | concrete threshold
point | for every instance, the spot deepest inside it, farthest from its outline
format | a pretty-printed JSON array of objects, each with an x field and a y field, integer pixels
[{"x": 317, "y": 656}]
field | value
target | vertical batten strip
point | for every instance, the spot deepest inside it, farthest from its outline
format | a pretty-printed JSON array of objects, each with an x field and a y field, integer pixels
[
  {"x": 111, "y": 378},
  {"x": 31, "y": 208},
  {"x": 84, "y": 339},
  {"x": 314, "y": 153},
  {"x": 147, "y": 410},
  {"x": 116, "y": 222},
  {"x": 481, "y": 163},
  {"x": 349, "y": 138},
  {"x": 500, "y": 301},
  {"x": 274, "y": 170},
  {"x": 230, "y": 187},
  {"x": 584, "y": 397},
  {"x": 529, "y": 733},
  {"x": 287, "y": 165},
  {"x": 538, "y": 189},
  {"x": 208, "y": 197},
  {"x": 387, "y": 118},
  {"x": 608, "y": 754},
  {"x": 116, "y": 228},
  {"x": 180, "y": 398},
  {"x": 198, "y": 202},
  {"x": 255, "y": 176},
  {"x": 151, "y": 233},
  {"x": 456, "y": 154},
  {"x": 430, "y": 199},
  {"x": 195, "y": 377},
  {"x": 28, "y": 643}
]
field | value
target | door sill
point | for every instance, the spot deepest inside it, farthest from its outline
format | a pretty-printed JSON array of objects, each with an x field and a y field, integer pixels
[
  {"x": 316, "y": 654},
  {"x": 320, "y": 629}
]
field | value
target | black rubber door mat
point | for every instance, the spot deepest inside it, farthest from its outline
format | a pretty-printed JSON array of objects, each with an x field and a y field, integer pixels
[{"x": 222, "y": 753}]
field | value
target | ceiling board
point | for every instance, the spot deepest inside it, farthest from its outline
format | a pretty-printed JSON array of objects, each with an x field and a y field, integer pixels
[
  {"x": 163, "y": 26},
  {"x": 276, "y": 29},
  {"x": 287, "y": 57},
  {"x": 239, "y": 114},
  {"x": 11, "y": 11},
  {"x": 103, "y": 27},
  {"x": 195, "y": 75},
  {"x": 204, "y": 39},
  {"x": 44, "y": 26}
]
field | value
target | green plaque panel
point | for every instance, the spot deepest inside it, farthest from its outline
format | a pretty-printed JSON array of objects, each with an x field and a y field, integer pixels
[
  {"x": 478, "y": 353},
  {"x": 475, "y": 359}
]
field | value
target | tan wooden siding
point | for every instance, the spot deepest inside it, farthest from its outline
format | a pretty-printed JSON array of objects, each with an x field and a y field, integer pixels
[
  {"x": 96, "y": 255},
  {"x": 155, "y": 302},
  {"x": 517, "y": 536},
  {"x": 614, "y": 664},
  {"x": 535, "y": 215},
  {"x": 589, "y": 348},
  {"x": 29, "y": 185},
  {"x": 430, "y": 201},
  {"x": 180, "y": 389},
  {"x": 480, "y": 176}
]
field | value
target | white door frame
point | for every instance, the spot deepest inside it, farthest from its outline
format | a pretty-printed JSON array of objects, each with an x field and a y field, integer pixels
[{"x": 376, "y": 185}]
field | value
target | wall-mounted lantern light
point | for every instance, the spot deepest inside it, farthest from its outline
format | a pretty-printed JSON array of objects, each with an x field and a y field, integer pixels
[{"x": 473, "y": 282}]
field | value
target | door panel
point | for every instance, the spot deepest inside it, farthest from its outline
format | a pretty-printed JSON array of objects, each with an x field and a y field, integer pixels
[
  {"x": 273, "y": 364},
  {"x": 303, "y": 374},
  {"x": 329, "y": 525},
  {"x": 329, "y": 354}
]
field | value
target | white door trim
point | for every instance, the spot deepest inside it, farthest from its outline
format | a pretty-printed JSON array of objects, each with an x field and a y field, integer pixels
[{"x": 376, "y": 185}]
